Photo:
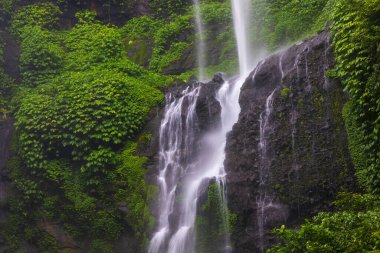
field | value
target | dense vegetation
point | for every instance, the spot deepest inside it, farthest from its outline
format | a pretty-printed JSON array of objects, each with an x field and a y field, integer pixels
[
  {"x": 87, "y": 89},
  {"x": 84, "y": 97},
  {"x": 80, "y": 100}
]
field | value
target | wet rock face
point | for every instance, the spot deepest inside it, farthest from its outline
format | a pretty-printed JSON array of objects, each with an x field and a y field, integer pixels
[{"x": 307, "y": 157}]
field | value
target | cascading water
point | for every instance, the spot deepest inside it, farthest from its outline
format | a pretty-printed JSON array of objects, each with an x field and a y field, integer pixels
[
  {"x": 176, "y": 140},
  {"x": 201, "y": 45},
  {"x": 185, "y": 179}
]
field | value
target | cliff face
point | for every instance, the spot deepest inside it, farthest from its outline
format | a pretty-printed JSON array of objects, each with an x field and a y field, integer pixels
[{"x": 287, "y": 156}]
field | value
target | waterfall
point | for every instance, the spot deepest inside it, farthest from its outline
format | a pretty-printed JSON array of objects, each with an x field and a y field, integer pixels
[
  {"x": 201, "y": 45},
  {"x": 241, "y": 17},
  {"x": 181, "y": 179},
  {"x": 176, "y": 141}
]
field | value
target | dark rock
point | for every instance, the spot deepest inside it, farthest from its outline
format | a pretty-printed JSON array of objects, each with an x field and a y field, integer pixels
[
  {"x": 307, "y": 152},
  {"x": 11, "y": 55},
  {"x": 6, "y": 191},
  {"x": 208, "y": 108}
]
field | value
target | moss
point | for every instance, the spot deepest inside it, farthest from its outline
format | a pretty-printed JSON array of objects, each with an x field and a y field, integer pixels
[
  {"x": 211, "y": 223},
  {"x": 285, "y": 91},
  {"x": 139, "y": 51},
  {"x": 318, "y": 100},
  {"x": 144, "y": 138}
]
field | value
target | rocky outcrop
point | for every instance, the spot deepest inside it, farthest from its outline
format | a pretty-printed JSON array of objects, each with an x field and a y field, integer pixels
[{"x": 306, "y": 159}]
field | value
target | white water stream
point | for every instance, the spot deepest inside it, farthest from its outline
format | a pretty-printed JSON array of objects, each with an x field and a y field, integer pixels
[
  {"x": 182, "y": 175},
  {"x": 201, "y": 44}
]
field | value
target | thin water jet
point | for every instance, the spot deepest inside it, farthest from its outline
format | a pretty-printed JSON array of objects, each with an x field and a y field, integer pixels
[{"x": 201, "y": 44}]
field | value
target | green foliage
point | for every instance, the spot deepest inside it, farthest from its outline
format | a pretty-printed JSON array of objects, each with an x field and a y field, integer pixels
[
  {"x": 80, "y": 100},
  {"x": 293, "y": 18},
  {"x": 356, "y": 40},
  {"x": 214, "y": 221},
  {"x": 165, "y": 9},
  {"x": 41, "y": 55},
  {"x": 357, "y": 202},
  {"x": 91, "y": 43},
  {"x": 41, "y": 51},
  {"x": 6, "y": 85},
  {"x": 132, "y": 190},
  {"x": 6, "y": 91},
  {"x": 46, "y": 243},
  {"x": 168, "y": 47},
  {"x": 86, "y": 17},
  {"x": 285, "y": 91},
  {"x": 325, "y": 16},
  {"x": 172, "y": 39},
  {"x": 356, "y": 145},
  {"x": 82, "y": 113},
  {"x": 217, "y": 18},
  {"x": 45, "y": 15},
  {"x": 214, "y": 12},
  {"x": 281, "y": 22},
  {"x": 144, "y": 26},
  {"x": 6, "y": 9},
  {"x": 100, "y": 246},
  {"x": 355, "y": 228},
  {"x": 166, "y": 38}
]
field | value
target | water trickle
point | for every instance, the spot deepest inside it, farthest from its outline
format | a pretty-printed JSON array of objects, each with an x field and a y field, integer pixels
[
  {"x": 308, "y": 87},
  {"x": 281, "y": 68},
  {"x": 295, "y": 165},
  {"x": 265, "y": 199}
]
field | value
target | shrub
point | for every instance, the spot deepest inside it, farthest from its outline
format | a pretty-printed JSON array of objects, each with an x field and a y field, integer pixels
[
  {"x": 45, "y": 15},
  {"x": 41, "y": 55},
  {"x": 352, "y": 229}
]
